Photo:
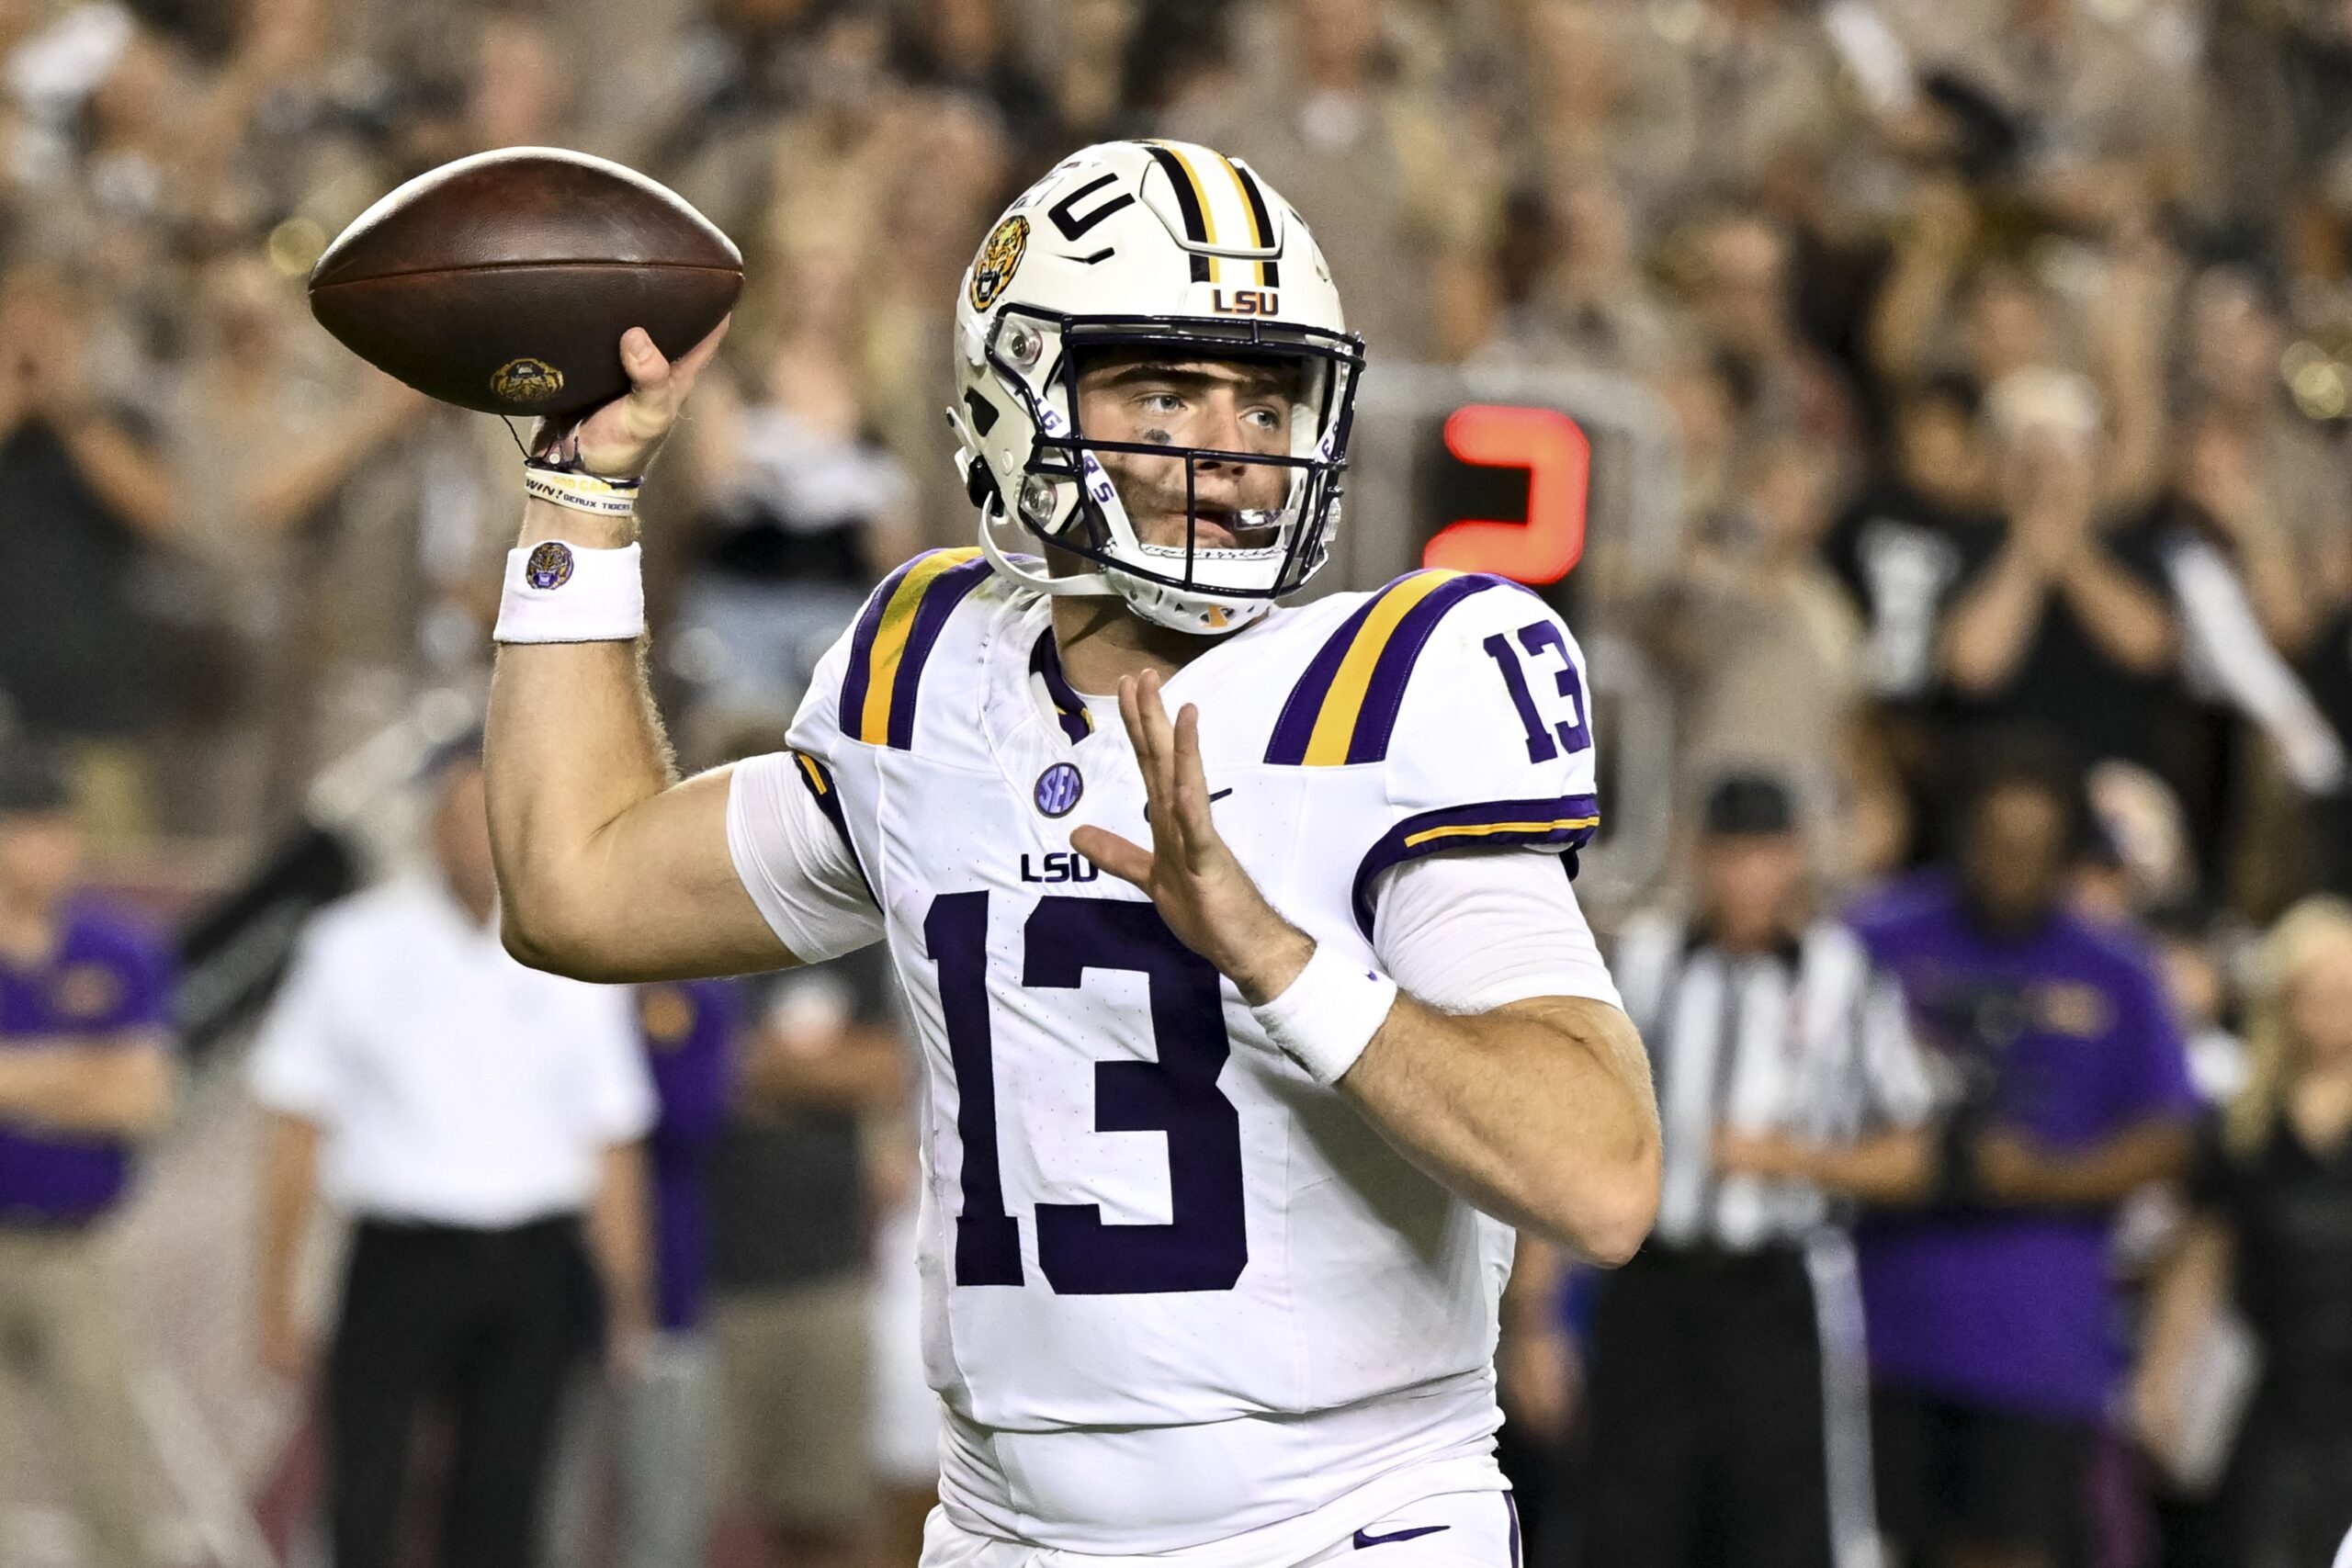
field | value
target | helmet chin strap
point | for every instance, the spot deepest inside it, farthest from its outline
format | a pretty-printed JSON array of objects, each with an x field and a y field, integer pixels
[{"x": 1084, "y": 582}]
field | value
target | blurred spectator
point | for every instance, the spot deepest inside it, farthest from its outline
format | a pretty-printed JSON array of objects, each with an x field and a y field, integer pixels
[
  {"x": 650, "y": 1425},
  {"x": 797, "y": 512},
  {"x": 474, "y": 1119},
  {"x": 1570, "y": 291},
  {"x": 1743, "y": 304},
  {"x": 1899, "y": 549},
  {"x": 968, "y": 46},
  {"x": 87, "y": 495},
  {"x": 2271, "y": 1241},
  {"x": 792, "y": 1254},
  {"x": 903, "y": 1432},
  {"x": 1381, "y": 169},
  {"x": 2061, "y": 623},
  {"x": 277, "y": 449},
  {"x": 1728, "y": 1393},
  {"x": 1991, "y": 1314},
  {"x": 2196, "y": 957},
  {"x": 85, "y": 1073},
  {"x": 2258, "y": 476},
  {"x": 1765, "y": 82},
  {"x": 1767, "y": 645}
]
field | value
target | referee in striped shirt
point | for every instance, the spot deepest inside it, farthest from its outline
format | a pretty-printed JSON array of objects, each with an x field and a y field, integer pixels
[{"x": 1728, "y": 1386}]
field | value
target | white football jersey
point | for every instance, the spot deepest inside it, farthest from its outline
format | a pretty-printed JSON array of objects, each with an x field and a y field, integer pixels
[{"x": 1138, "y": 1212}]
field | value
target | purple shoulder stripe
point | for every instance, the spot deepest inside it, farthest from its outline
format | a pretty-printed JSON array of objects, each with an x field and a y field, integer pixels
[
  {"x": 861, "y": 648},
  {"x": 1377, "y": 720},
  {"x": 1563, "y": 822},
  {"x": 1297, "y": 726},
  {"x": 939, "y": 602}
]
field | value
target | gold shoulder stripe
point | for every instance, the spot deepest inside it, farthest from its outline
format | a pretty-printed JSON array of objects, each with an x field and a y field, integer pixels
[
  {"x": 1335, "y": 725},
  {"x": 894, "y": 638}
]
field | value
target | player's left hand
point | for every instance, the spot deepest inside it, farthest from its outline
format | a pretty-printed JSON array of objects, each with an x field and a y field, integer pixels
[{"x": 1201, "y": 889}]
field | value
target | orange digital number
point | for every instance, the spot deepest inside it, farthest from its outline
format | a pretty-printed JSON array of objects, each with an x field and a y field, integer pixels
[{"x": 1558, "y": 460}]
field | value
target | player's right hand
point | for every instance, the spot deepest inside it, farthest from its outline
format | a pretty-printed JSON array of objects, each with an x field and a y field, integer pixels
[{"x": 618, "y": 439}]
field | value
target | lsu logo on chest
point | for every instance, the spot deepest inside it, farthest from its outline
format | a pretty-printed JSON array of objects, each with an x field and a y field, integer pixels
[{"x": 1058, "y": 866}]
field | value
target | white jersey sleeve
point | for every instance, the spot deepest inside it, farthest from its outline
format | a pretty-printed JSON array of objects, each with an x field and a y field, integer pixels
[
  {"x": 795, "y": 858},
  {"x": 1475, "y": 930},
  {"x": 790, "y": 837}
]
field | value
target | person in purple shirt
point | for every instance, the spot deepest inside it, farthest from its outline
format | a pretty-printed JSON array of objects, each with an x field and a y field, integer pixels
[
  {"x": 85, "y": 1072},
  {"x": 652, "y": 1422},
  {"x": 1992, "y": 1321}
]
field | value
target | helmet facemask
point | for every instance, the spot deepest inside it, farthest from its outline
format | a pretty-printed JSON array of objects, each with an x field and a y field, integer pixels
[{"x": 1067, "y": 496}]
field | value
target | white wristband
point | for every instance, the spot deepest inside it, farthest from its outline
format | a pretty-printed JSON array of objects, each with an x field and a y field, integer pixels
[
  {"x": 1328, "y": 1015},
  {"x": 561, "y": 592},
  {"x": 580, "y": 491}
]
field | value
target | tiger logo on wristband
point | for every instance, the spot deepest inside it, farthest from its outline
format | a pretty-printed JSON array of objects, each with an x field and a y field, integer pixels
[{"x": 548, "y": 566}]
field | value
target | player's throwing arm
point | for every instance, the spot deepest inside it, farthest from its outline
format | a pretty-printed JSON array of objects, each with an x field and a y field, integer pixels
[{"x": 609, "y": 868}]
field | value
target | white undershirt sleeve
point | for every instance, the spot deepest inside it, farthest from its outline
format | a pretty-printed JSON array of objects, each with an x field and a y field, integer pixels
[
  {"x": 1475, "y": 929},
  {"x": 795, "y": 862}
]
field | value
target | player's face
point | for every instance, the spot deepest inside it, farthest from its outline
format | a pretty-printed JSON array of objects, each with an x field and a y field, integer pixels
[{"x": 1227, "y": 406}]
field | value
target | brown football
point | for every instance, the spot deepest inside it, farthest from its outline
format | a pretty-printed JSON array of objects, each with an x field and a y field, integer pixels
[{"x": 503, "y": 281}]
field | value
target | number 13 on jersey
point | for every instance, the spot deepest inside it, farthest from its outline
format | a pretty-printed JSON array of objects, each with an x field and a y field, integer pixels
[{"x": 1205, "y": 1244}]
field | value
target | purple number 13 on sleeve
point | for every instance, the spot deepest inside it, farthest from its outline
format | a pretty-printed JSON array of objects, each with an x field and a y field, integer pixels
[{"x": 1574, "y": 732}]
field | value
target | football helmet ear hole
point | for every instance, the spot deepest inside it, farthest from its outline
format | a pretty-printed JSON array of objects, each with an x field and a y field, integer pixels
[{"x": 979, "y": 483}]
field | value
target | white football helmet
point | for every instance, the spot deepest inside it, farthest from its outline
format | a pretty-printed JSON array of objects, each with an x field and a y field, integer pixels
[{"x": 1145, "y": 244}]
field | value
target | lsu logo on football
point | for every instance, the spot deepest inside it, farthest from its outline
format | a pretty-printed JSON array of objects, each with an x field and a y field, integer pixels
[
  {"x": 525, "y": 380},
  {"x": 1244, "y": 301}
]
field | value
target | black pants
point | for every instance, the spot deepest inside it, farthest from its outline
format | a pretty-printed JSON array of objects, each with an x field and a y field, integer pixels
[
  {"x": 487, "y": 1323},
  {"x": 2287, "y": 1502},
  {"x": 1955, "y": 1476},
  {"x": 1709, "y": 1440}
]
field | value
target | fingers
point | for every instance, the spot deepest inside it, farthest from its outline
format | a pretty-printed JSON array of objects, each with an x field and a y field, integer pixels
[
  {"x": 1152, "y": 736},
  {"x": 647, "y": 370},
  {"x": 1122, "y": 858},
  {"x": 652, "y": 397},
  {"x": 689, "y": 368},
  {"x": 1192, "y": 819}
]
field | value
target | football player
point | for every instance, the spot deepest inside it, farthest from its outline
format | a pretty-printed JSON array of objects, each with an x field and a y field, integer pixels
[{"x": 1250, "y": 1033}]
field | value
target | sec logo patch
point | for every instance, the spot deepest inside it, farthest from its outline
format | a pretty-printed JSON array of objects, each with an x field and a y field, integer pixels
[
  {"x": 1058, "y": 788},
  {"x": 525, "y": 380},
  {"x": 994, "y": 267}
]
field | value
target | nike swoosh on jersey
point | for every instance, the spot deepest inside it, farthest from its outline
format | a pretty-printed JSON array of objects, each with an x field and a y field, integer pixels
[{"x": 1364, "y": 1540}]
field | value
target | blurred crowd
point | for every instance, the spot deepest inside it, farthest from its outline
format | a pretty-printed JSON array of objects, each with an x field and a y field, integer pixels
[{"x": 2006, "y": 345}]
